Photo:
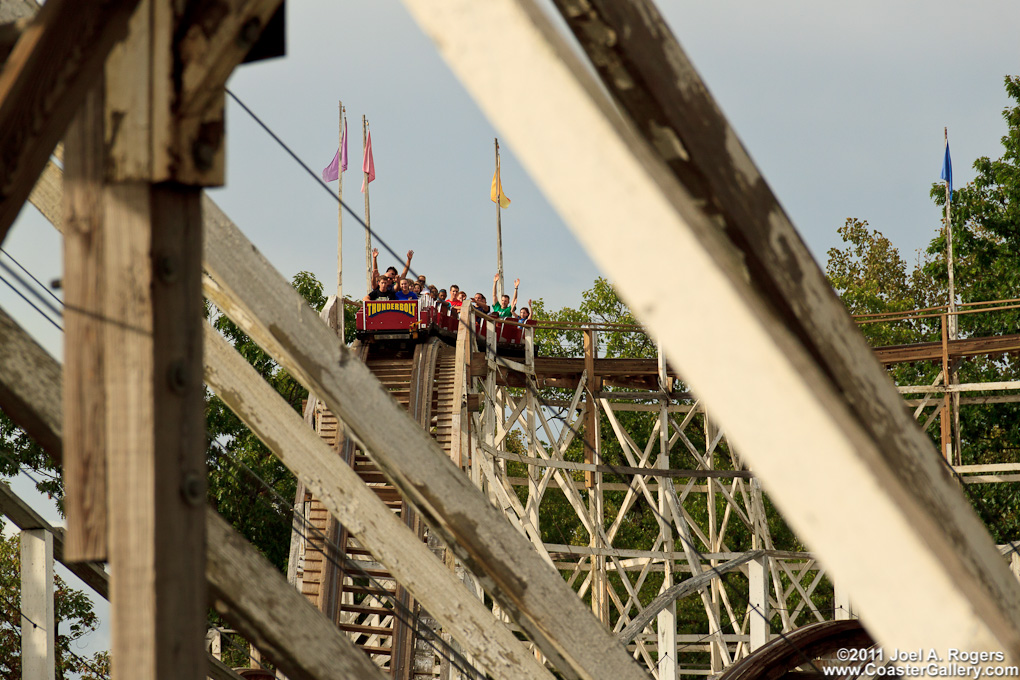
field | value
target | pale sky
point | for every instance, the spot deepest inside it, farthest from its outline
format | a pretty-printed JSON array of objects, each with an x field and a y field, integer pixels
[{"x": 841, "y": 105}]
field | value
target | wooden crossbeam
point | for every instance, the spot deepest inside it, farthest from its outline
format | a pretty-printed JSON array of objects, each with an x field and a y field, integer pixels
[
  {"x": 827, "y": 393},
  {"x": 268, "y": 309},
  {"x": 52, "y": 66}
]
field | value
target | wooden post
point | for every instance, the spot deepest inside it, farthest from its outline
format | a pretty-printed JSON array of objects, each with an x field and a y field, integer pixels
[
  {"x": 152, "y": 240},
  {"x": 155, "y": 430},
  {"x": 368, "y": 214},
  {"x": 84, "y": 350},
  {"x": 841, "y": 598},
  {"x": 945, "y": 419},
  {"x": 340, "y": 227},
  {"x": 666, "y": 624},
  {"x": 489, "y": 412},
  {"x": 758, "y": 602},
  {"x": 38, "y": 627},
  {"x": 459, "y": 423},
  {"x": 717, "y": 643},
  {"x": 591, "y": 420},
  {"x": 593, "y": 480}
]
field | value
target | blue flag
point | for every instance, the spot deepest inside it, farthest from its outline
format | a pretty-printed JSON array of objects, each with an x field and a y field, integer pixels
[{"x": 947, "y": 170}]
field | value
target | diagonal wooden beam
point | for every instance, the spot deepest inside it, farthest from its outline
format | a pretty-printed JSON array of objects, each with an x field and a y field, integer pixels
[
  {"x": 271, "y": 312},
  {"x": 30, "y": 393},
  {"x": 833, "y": 419},
  {"x": 54, "y": 63}
]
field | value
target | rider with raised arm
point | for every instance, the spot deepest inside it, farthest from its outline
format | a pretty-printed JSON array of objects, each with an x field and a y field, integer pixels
[{"x": 504, "y": 308}]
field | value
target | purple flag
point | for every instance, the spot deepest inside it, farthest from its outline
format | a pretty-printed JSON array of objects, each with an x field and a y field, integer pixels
[
  {"x": 339, "y": 162},
  {"x": 332, "y": 171}
]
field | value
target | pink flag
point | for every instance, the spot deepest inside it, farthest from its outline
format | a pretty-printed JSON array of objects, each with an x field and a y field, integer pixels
[
  {"x": 369, "y": 163},
  {"x": 339, "y": 162}
]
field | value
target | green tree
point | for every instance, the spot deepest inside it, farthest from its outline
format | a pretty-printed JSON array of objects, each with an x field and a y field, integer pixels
[
  {"x": 249, "y": 485},
  {"x": 73, "y": 613},
  {"x": 870, "y": 277}
]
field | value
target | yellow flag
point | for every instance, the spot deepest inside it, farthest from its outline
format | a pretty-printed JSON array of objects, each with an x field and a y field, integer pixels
[{"x": 496, "y": 194}]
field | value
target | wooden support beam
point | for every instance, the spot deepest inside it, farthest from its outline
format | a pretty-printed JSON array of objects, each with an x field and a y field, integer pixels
[
  {"x": 26, "y": 389},
  {"x": 218, "y": 37},
  {"x": 155, "y": 429},
  {"x": 38, "y": 624},
  {"x": 53, "y": 65},
  {"x": 363, "y": 514},
  {"x": 949, "y": 587},
  {"x": 84, "y": 348},
  {"x": 266, "y": 307},
  {"x": 250, "y": 593}
]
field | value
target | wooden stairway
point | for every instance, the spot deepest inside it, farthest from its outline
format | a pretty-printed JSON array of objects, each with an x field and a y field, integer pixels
[{"x": 345, "y": 581}]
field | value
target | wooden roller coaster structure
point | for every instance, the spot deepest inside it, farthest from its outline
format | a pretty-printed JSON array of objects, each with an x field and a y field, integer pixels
[{"x": 785, "y": 590}]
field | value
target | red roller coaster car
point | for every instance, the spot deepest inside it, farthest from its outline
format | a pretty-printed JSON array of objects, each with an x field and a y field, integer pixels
[{"x": 414, "y": 320}]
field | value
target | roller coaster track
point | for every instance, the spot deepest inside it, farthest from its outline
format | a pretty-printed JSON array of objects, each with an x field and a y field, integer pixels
[{"x": 338, "y": 575}]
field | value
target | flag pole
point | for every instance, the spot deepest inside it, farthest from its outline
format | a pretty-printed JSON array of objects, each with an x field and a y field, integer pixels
[
  {"x": 949, "y": 256},
  {"x": 953, "y": 320},
  {"x": 499, "y": 234},
  {"x": 368, "y": 215},
  {"x": 340, "y": 231}
]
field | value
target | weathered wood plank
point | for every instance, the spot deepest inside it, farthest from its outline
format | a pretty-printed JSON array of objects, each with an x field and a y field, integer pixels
[
  {"x": 361, "y": 512},
  {"x": 526, "y": 587},
  {"x": 289, "y": 630},
  {"x": 51, "y": 68},
  {"x": 84, "y": 347},
  {"x": 27, "y": 389},
  {"x": 826, "y": 393},
  {"x": 155, "y": 429},
  {"x": 216, "y": 40}
]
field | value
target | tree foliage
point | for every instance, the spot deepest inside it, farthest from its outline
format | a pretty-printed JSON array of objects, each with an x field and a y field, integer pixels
[
  {"x": 248, "y": 484},
  {"x": 870, "y": 277}
]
